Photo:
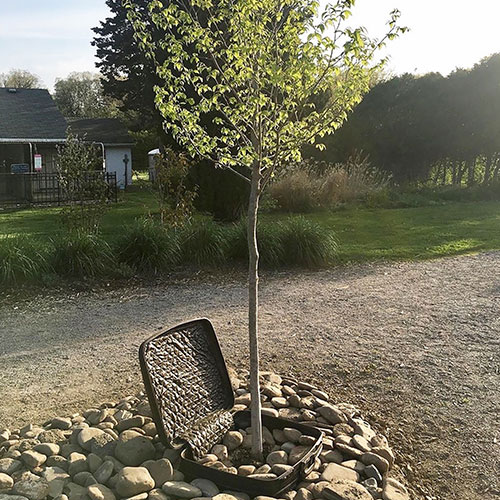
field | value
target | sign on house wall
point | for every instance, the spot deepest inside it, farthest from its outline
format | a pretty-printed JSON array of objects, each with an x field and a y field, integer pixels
[{"x": 38, "y": 163}]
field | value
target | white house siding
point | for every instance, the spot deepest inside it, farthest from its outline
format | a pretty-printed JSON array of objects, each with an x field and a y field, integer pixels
[{"x": 114, "y": 163}]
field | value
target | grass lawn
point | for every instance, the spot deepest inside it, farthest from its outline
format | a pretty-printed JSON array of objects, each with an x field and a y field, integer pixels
[{"x": 364, "y": 234}]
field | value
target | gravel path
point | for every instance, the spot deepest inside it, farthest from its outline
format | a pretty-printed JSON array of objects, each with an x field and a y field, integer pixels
[{"x": 415, "y": 345}]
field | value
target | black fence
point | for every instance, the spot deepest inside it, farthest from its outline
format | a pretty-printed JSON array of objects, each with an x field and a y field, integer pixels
[{"x": 20, "y": 190}]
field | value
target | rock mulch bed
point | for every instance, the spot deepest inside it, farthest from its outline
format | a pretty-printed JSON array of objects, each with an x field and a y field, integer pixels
[{"x": 113, "y": 452}]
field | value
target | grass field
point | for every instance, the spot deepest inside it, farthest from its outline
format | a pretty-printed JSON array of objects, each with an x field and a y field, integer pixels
[{"x": 363, "y": 234}]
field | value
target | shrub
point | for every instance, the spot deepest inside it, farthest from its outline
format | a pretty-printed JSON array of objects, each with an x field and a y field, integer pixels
[
  {"x": 310, "y": 185},
  {"x": 269, "y": 240},
  {"x": 148, "y": 247},
  {"x": 307, "y": 244},
  {"x": 297, "y": 191},
  {"x": 203, "y": 243},
  {"x": 81, "y": 255},
  {"x": 21, "y": 259}
]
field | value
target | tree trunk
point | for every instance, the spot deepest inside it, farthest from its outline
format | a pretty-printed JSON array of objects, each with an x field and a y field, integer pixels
[{"x": 253, "y": 312}]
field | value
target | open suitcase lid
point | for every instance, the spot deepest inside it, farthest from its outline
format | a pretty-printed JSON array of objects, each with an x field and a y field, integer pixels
[{"x": 187, "y": 385}]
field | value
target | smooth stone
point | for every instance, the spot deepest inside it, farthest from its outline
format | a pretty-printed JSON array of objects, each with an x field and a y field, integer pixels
[
  {"x": 220, "y": 451},
  {"x": 57, "y": 479},
  {"x": 207, "y": 487},
  {"x": 331, "y": 456},
  {"x": 277, "y": 457},
  {"x": 133, "y": 448},
  {"x": 226, "y": 496},
  {"x": 5, "y": 496},
  {"x": 334, "y": 472},
  {"x": 94, "y": 462},
  {"x": 232, "y": 440},
  {"x": 239, "y": 495},
  {"x": 317, "y": 488},
  {"x": 57, "y": 461},
  {"x": 361, "y": 443},
  {"x": 180, "y": 489},
  {"x": 84, "y": 478},
  {"x": 263, "y": 469},
  {"x": 332, "y": 414},
  {"x": 128, "y": 423},
  {"x": 61, "y": 423},
  {"x": 6, "y": 482},
  {"x": 100, "y": 492},
  {"x": 157, "y": 494},
  {"x": 280, "y": 402},
  {"x": 379, "y": 462},
  {"x": 140, "y": 496},
  {"x": 133, "y": 480},
  {"x": 292, "y": 434},
  {"x": 303, "y": 494},
  {"x": 349, "y": 451},
  {"x": 394, "y": 490},
  {"x": 9, "y": 465},
  {"x": 246, "y": 470},
  {"x": 160, "y": 470},
  {"x": 77, "y": 463},
  {"x": 346, "y": 490},
  {"x": 48, "y": 449},
  {"x": 104, "y": 472},
  {"x": 75, "y": 492},
  {"x": 33, "y": 459},
  {"x": 32, "y": 487},
  {"x": 271, "y": 412},
  {"x": 386, "y": 453}
]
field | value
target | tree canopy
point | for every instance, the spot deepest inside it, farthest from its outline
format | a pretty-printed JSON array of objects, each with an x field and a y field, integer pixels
[
  {"x": 446, "y": 129},
  {"x": 81, "y": 95},
  {"x": 20, "y": 79}
]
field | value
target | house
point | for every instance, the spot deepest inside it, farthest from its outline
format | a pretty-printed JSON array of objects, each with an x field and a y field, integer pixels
[
  {"x": 31, "y": 128},
  {"x": 115, "y": 141}
]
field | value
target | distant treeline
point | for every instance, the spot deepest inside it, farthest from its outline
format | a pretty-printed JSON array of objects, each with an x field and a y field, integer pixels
[{"x": 428, "y": 128}]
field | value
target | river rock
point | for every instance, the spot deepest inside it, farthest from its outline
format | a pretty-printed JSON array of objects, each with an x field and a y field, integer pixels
[
  {"x": 335, "y": 472},
  {"x": 232, "y": 440},
  {"x": 160, "y": 470},
  {"x": 128, "y": 423},
  {"x": 61, "y": 423},
  {"x": 6, "y": 482},
  {"x": 33, "y": 459},
  {"x": 9, "y": 465},
  {"x": 85, "y": 437},
  {"x": 346, "y": 490},
  {"x": 133, "y": 448},
  {"x": 31, "y": 486},
  {"x": 292, "y": 434},
  {"x": 394, "y": 490},
  {"x": 157, "y": 494},
  {"x": 100, "y": 492},
  {"x": 277, "y": 457},
  {"x": 180, "y": 489},
  {"x": 52, "y": 436},
  {"x": 297, "y": 453},
  {"x": 104, "y": 472},
  {"x": 303, "y": 494},
  {"x": 134, "y": 480},
  {"x": 77, "y": 463},
  {"x": 332, "y": 414},
  {"x": 75, "y": 492},
  {"x": 207, "y": 487},
  {"x": 57, "y": 479},
  {"x": 379, "y": 462},
  {"x": 48, "y": 449}
]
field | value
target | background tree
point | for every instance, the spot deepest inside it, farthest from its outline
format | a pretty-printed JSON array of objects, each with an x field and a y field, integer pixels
[
  {"x": 81, "y": 95},
  {"x": 129, "y": 77},
  {"x": 20, "y": 79},
  {"x": 240, "y": 81}
]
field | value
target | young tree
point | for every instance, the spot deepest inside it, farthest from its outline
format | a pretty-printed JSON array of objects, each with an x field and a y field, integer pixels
[{"x": 240, "y": 79}]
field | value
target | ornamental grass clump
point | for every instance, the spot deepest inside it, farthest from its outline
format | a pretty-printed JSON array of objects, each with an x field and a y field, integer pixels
[
  {"x": 307, "y": 244},
  {"x": 148, "y": 247},
  {"x": 82, "y": 255},
  {"x": 22, "y": 259},
  {"x": 203, "y": 243}
]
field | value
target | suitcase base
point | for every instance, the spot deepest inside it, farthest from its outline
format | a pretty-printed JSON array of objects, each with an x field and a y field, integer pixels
[{"x": 256, "y": 487}]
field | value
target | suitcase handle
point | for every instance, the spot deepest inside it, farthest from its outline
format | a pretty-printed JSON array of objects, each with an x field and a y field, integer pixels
[{"x": 307, "y": 467}]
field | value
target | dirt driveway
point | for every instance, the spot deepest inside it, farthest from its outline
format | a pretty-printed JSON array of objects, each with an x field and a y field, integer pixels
[{"x": 415, "y": 345}]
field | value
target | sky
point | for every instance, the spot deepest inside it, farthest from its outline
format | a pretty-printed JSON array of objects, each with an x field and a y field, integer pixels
[{"x": 51, "y": 38}]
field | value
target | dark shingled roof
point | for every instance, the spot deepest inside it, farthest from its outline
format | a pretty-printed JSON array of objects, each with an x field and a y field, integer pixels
[
  {"x": 109, "y": 131},
  {"x": 30, "y": 114}
]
